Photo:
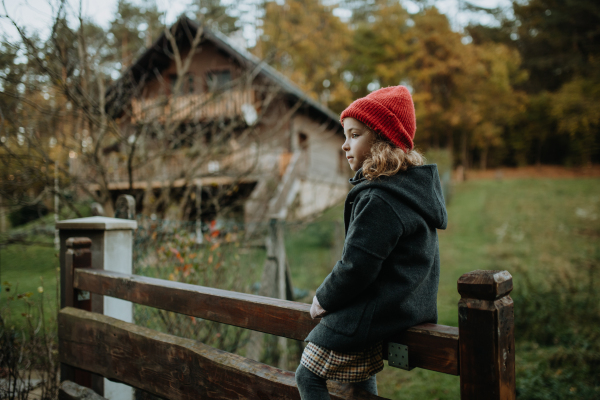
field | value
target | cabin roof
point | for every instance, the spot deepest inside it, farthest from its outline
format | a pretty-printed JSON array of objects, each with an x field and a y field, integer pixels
[{"x": 156, "y": 58}]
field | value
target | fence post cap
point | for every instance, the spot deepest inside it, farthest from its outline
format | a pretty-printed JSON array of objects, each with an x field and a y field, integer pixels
[
  {"x": 485, "y": 285},
  {"x": 79, "y": 243},
  {"x": 97, "y": 223}
]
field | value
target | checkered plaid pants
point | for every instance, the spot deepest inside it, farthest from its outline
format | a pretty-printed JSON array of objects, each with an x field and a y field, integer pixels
[{"x": 354, "y": 366}]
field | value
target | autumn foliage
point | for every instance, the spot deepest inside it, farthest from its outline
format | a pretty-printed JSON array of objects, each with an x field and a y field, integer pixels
[{"x": 521, "y": 92}]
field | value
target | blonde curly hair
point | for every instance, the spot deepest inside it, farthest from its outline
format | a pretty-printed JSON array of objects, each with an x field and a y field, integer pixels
[{"x": 386, "y": 159}]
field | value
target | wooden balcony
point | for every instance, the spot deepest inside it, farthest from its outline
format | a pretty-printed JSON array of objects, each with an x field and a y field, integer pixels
[
  {"x": 169, "y": 170},
  {"x": 191, "y": 107}
]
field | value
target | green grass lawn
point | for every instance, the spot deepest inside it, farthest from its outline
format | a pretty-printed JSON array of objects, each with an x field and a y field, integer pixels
[
  {"x": 528, "y": 227},
  {"x": 28, "y": 270},
  {"x": 32, "y": 269}
]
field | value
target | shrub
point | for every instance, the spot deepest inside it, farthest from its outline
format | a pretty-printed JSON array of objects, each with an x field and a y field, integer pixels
[
  {"x": 557, "y": 325},
  {"x": 28, "y": 355},
  {"x": 27, "y": 214}
]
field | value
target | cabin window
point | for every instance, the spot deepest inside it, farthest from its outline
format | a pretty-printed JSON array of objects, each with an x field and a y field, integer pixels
[{"x": 218, "y": 79}]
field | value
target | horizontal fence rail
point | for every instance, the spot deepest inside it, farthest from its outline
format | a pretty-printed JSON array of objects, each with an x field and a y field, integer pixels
[
  {"x": 172, "y": 367},
  {"x": 430, "y": 346}
]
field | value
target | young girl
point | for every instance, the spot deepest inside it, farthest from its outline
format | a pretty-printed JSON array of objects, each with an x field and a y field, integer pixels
[{"x": 387, "y": 279}]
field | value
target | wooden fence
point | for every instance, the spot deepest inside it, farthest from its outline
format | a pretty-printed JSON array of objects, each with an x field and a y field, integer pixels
[{"x": 480, "y": 350}]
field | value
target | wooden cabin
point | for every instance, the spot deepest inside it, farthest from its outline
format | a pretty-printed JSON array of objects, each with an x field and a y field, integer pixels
[{"x": 263, "y": 139}]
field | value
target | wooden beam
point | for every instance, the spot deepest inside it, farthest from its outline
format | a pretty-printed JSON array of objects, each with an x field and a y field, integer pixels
[
  {"x": 431, "y": 346},
  {"x": 264, "y": 314},
  {"x": 170, "y": 366},
  {"x": 486, "y": 325},
  {"x": 78, "y": 256}
]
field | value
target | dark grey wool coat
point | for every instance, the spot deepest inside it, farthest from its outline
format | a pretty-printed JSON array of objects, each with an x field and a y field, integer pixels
[{"x": 387, "y": 279}]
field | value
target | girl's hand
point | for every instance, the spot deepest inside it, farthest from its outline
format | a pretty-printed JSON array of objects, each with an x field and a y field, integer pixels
[{"x": 316, "y": 311}]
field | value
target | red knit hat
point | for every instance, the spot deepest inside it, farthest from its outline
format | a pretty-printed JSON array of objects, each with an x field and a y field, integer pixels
[{"x": 388, "y": 111}]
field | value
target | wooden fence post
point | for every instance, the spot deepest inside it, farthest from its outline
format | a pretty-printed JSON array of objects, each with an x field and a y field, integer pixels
[
  {"x": 276, "y": 282},
  {"x": 111, "y": 249},
  {"x": 78, "y": 255},
  {"x": 486, "y": 332},
  {"x": 125, "y": 207}
]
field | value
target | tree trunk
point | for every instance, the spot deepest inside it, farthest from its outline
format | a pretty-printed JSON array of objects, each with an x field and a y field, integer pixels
[
  {"x": 484, "y": 156},
  {"x": 465, "y": 155},
  {"x": 2, "y": 216},
  {"x": 450, "y": 146}
]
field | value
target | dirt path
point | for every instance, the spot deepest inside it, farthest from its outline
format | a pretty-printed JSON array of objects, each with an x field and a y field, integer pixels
[{"x": 544, "y": 171}]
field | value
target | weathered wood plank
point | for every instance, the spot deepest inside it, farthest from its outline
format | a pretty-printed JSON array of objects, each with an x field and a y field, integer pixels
[
  {"x": 487, "y": 345},
  {"x": 432, "y": 346},
  {"x": 169, "y": 366},
  {"x": 265, "y": 314},
  {"x": 485, "y": 284},
  {"x": 78, "y": 256}
]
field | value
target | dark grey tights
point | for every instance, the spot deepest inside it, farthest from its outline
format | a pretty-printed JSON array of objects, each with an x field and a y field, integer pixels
[{"x": 313, "y": 387}]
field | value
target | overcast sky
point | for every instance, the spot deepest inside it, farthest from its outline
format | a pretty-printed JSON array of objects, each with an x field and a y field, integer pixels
[{"x": 37, "y": 14}]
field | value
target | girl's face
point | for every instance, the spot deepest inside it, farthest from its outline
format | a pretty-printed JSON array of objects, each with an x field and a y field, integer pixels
[{"x": 358, "y": 142}]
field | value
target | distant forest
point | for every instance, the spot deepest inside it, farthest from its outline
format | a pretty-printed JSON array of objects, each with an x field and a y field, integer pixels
[{"x": 525, "y": 90}]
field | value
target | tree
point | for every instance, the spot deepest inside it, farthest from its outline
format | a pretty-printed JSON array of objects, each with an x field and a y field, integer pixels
[
  {"x": 459, "y": 89},
  {"x": 557, "y": 43},
  {"x": 381, "y": 45},
  {"x": 216, "y": 15},
  {"x": 132, "y": 30},
  {"x": 557, "y": 39},
  {"x": 308, "y": 44},
  {"x": 575, "y": 108}
]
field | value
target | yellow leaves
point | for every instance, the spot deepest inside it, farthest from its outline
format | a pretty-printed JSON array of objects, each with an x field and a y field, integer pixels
[
  {"x": 455, "y": 119},
  {"x": 308, "y": 43},
  {"x": 575, "y": 106}
]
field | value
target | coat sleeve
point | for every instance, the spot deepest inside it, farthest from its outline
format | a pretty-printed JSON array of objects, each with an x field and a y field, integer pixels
[{"x": 371, "y": 237}]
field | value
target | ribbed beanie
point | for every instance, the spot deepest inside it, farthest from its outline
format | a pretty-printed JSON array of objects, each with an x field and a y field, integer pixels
[{"x": 388, "y": 111}]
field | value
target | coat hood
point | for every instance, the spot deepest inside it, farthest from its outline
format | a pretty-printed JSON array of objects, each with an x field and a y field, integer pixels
[{"x": 419, "y": 188}]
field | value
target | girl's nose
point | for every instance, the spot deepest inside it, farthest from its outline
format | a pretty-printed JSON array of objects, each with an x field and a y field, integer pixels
[{"x": 346, "y": 146}]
